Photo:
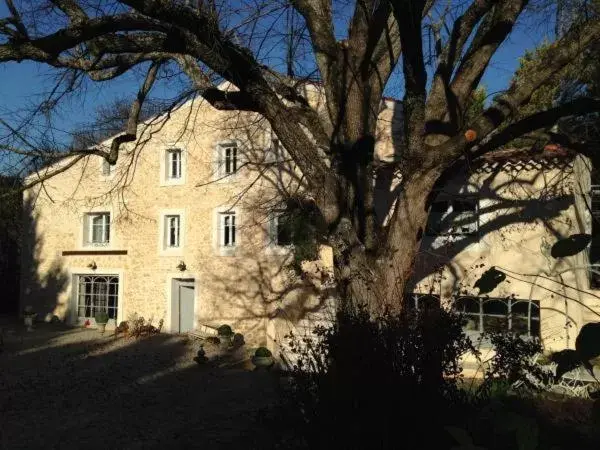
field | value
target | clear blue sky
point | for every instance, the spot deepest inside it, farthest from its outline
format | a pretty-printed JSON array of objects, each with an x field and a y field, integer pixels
[{"x": 21, "y": 84}]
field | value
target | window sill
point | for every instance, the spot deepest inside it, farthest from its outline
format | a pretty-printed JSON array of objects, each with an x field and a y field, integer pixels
[
  {"x": 174, "y": 182},
  {"x": 227, "y": 251},
  {"x": 172, "y": 252},
  {"x": 93, "y": 251}
]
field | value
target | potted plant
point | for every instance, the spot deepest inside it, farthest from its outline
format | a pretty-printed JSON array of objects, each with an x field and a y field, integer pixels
[
  {"x": 28, "y": 316},
  {"x": 225, "y": 334},
  {"x": 263, "y": 358},
  {"x": 101, "y": 321}
]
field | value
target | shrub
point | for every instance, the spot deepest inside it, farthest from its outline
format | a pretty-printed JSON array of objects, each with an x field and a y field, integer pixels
[
  {"x": 361, "y": 382},
  {"x": 262, "y": 352},
  {"x": 101, "y": 317},
  {"x": 224, "y": 330},
  {"x": 514, "y": 364}
]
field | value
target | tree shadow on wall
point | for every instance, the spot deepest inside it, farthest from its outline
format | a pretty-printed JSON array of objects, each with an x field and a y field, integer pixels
[{"x": 42, "y": 280}]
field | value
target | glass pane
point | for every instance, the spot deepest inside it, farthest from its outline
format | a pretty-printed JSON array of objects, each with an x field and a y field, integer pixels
[
  {"x": 535, "y": 328},
  {"x": 471, "y": 322},
  {"x": 495, "y": 307},
  {"x": 520, "y": 308},
  {"x": 232, "y": 230},
  {"x": 284, "y": 230},
  {"x": 519, "y": 325},
  {"x": 464, "y": 206},
  {"x": 428, "y": 302},
  {"x": 495, "y": 323},
  {"x": 468, "y": 305}
]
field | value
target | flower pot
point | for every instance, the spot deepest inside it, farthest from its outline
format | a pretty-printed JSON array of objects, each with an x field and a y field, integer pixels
[
  {"x": 263, "y": 361},
  {"x": 28, "y": 320},
  {"x": 101, "y": 327},
  {"x": 225, "y": 341}
]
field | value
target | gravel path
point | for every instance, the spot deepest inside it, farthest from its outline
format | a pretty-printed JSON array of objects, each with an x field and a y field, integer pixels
[{"x": 71, "y": 388}]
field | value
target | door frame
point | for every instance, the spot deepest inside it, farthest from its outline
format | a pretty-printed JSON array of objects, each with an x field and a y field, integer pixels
[{"x": 169, "y": 297}]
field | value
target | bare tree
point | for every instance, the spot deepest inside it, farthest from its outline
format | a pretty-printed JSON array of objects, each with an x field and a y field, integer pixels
[{"x": 211, "y": 41}]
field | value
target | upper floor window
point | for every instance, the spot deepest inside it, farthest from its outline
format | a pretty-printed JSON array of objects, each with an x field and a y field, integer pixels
[
  {"x": 281, "y": 232},
  {"x": 174, "y": 164},
  {"x": 227, "y": 159},
  {"x": 227, "y": 236},
  {"x": 595, "y": 244},
  {"x": 274, "y": 152},
  {"x": 97, "y": 229},
  {"x": 454, "y": 216},
  {"x": 173, "y": 231},
  {"x": 107, "y": 169}
]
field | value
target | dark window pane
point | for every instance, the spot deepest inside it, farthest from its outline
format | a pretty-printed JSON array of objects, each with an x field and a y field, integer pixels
[
  {"x": 495, "y": 307},
  {"x": 535, "y": 328},
  {"x": 519, "y": 325},
  {"x": 461, "y": 206},
  {"x": 284, "y": 230},
  {"x": 521, "y": 308},
  {"x": 493, "y": 323},
  {"x": 471, "y": 322},
  {"x": 428, "y": 302},
  {"x": 468, "y": 305}
]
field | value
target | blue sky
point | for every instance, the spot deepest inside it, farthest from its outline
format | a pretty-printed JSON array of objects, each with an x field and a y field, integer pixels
[{"x": 21, "y": 84}]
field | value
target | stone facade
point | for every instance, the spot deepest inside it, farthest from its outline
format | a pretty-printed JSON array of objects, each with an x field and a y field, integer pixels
[{"x": 251, "y": 288}]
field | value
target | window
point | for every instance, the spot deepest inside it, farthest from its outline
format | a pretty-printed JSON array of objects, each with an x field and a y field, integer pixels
[
  {"x": 453, "y": 216},
  {"x": 421, "y": 302},
  {"x": 281, "y": 232},
  {"x": 97, "y": 293},
  {"x": 172, "y": 231},
  {"x": 500, "y": 314},
  {"x": 174, "y": 164},
  {"x": 227, "y": 232},
  {"x": 274, "y": 152},
  {"x": 107, "y": 169},
  {"x": 97, "y": 229},
  {"x": 227, "y": 159},
  {"x": 595, "y": 244}
]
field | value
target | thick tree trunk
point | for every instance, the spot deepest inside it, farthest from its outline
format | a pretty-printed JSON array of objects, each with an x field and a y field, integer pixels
[{"x": 378, "y": 280}]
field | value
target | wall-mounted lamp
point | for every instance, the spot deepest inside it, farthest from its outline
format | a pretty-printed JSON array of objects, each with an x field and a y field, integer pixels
[
  {"x": 181, "y": 266},
  {"x": 92, "y": 265}
]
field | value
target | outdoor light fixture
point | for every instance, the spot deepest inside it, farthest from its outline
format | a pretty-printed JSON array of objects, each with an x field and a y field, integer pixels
[
  {"x": 181, "y": 266},
  {"x": 92, "y": 265}
]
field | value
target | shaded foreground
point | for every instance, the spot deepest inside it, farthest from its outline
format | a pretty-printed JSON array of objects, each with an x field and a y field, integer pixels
[{"x": 71, "y": 388}]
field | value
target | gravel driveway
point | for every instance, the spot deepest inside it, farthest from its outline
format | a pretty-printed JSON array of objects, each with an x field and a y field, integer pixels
[{"x": 71, "y": 388}]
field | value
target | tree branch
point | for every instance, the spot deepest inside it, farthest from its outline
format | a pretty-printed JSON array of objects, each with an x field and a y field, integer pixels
[
  {"x": 535, "y": 122},
  {"x": 409, "y": 16},
  {"x": 463, "y": 27},
  {"x": 558, "y": 55}
]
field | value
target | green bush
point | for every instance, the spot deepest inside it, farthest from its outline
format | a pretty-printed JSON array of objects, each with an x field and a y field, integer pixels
[
  {"x": 101, "y": 317},
  {"x": 262, "y": 352},
  {"x": 225, "y": 330}
]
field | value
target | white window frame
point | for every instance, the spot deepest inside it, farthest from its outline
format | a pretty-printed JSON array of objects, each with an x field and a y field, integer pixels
[
  {"x": 111, "y": 169},
  {"x": 219, "y": 231},
  {"x": 74, "y": 274},
  {"x": 274, "y": 152},
  {"x": 163, "y": 236},
  {"x": 220, "y": 174},
  {"x": 166, "y": 165},
  {"x": 88, "y": 229}
]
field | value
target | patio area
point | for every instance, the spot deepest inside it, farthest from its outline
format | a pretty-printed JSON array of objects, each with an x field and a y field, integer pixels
[{"x": 73, "y": 388}]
